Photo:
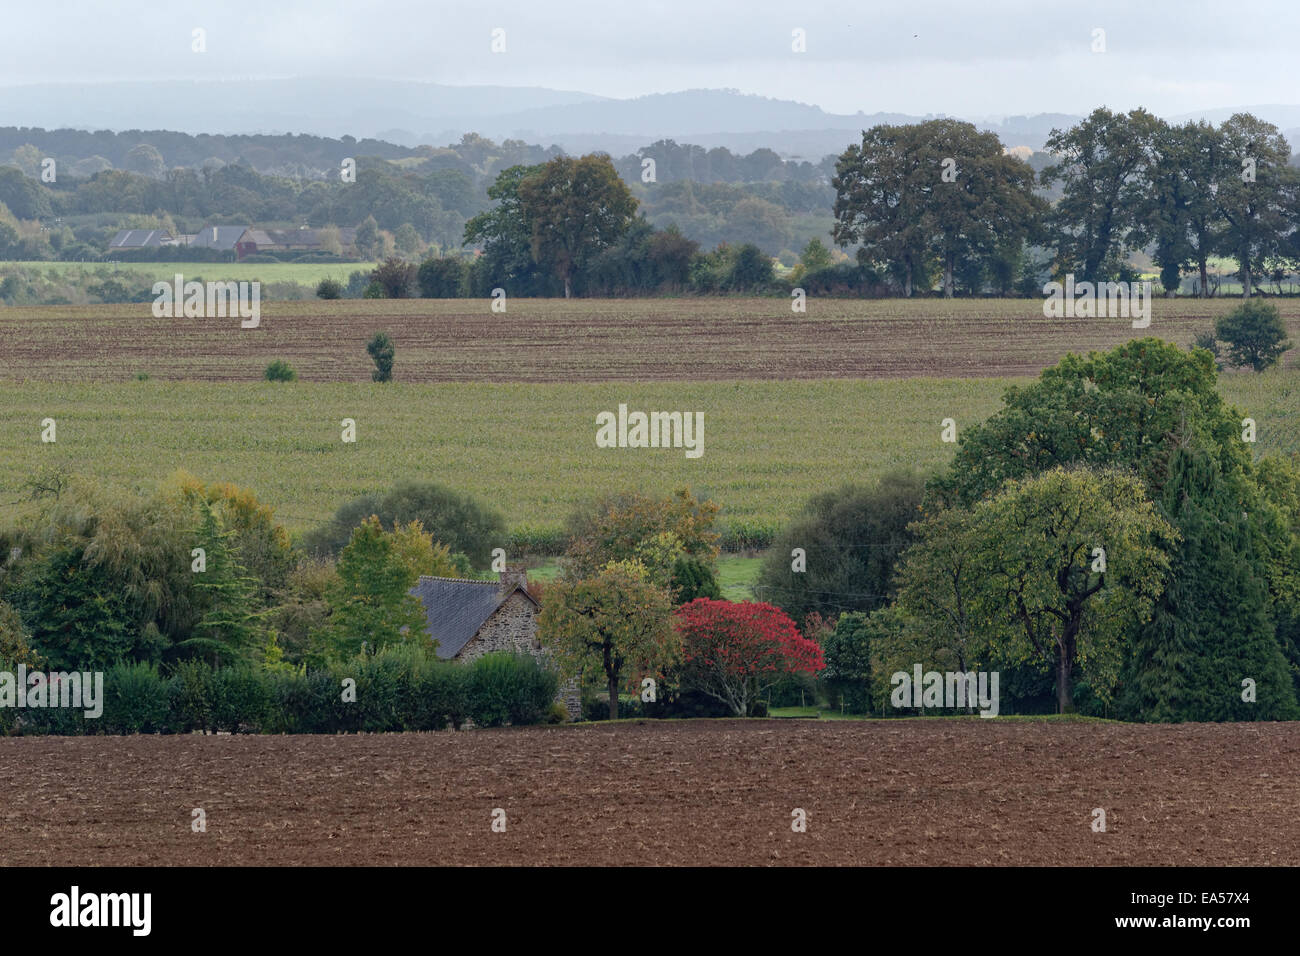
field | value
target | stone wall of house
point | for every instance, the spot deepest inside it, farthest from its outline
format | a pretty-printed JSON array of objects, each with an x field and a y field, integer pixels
[{"x": 513, "y": 628}]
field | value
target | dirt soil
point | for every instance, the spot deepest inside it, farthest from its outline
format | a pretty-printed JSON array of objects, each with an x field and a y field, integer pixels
[
  {"x": 975, "y": 792},
  {"x": 698, "y": 339}
]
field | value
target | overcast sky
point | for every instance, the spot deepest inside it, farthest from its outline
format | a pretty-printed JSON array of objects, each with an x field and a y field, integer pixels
[{"x": 979, "y": 58}]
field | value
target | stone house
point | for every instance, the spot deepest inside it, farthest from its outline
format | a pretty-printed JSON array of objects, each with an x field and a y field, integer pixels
[{"x": 471, "y": 618}]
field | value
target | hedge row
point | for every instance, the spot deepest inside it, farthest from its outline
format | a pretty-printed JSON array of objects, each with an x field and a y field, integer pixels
[{"x": 396, "y": 690}]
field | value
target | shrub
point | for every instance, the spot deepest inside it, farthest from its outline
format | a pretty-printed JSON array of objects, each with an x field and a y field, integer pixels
[
  {"x": 241, "y": 699},
  {"x": 1254, "y": 333},
  {"x": 280, "y": 371},
  {"x": 395, "y": 278},
  {"x": 382, "y": 351},
  {"x": 329, "y": 289},
  {"x": 1206, "y": 340},
  {"x": 509, "y": 688},
  {"x": 442, "y": 278},
  {"x": 191, "y": 697},
  {"x": 135, "y": 700}
]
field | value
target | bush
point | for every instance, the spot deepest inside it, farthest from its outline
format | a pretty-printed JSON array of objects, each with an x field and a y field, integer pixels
[
  {"x": 135, "y": 700},
  {"x": 1206, "y": 340},
  {"x": 191, "y": 697},
  {"x": 395, "y": 278},
  {"x": 509, "y": 688},
  {"x": 442, "y": 278},
  {"x": 280, "y": 371},
  {"x": 329, "y": 289},
  {"x": 241, "y": 699},
  {"x": 1254, "y": 333},
  {"x": 382, "y": 351}
]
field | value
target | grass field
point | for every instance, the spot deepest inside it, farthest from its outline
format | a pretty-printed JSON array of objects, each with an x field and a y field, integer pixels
[
  {"x": 528, "y": 450},
  {"x": 504, "y": 406},
  {"x": 304, "y": 273}
]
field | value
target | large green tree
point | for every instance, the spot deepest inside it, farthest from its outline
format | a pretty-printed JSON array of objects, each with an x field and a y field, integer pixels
[
  {"x": 850, "y": 540},
  {"x": 574, "y": 208},
  {"x": 1211, "y": 628},
  {"x": 1126, "y": 408},
  {"x": 1070, "y": 562},
  {"x": 1103, "y": 165},
  {"x": 1256, "y": 196}
]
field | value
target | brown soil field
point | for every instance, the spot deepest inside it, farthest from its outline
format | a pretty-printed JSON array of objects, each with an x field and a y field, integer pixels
[
  {"x": 968, "y": 792},
  {"x": 582, "y": 340}
]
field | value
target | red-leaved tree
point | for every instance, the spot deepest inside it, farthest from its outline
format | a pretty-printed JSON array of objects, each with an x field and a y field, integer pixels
[{"x": 734, "y": 652}]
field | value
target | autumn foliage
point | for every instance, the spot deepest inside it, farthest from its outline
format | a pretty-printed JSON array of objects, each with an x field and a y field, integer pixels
[{"x": 735, "y": 651}]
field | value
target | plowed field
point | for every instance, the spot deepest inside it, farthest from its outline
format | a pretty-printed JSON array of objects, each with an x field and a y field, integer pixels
[{"x": 972, "y": 792}]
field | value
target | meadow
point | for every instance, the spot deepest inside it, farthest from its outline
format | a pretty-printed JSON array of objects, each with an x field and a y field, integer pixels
[
  {"x": 527, "y": 449},
  {"x": 304, "y": 273}
]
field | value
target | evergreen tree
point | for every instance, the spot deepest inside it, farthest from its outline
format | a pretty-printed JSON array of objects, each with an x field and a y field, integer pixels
[
  {"x": 228, "y": 628},
  {"x": 371, "y": 601},
  {"x": 1212, "y": 627}
]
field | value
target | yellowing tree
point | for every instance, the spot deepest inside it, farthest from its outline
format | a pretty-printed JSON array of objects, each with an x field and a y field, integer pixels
[{"x": 616, "y": 622}]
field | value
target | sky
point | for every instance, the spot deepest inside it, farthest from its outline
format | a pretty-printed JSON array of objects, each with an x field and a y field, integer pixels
[{"x": 980, "y": 59}]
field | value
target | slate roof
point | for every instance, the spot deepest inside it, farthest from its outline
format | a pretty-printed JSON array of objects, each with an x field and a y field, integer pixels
[
  {"x": 138, "y": 239},
  {"x": 218, "y": 237},
  {"x": 456, "y": 608}
]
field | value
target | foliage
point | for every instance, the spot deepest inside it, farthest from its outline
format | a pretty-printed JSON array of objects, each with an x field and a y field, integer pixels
[
  {"x": 280, "y": 371},
  {"x": 653, "y": 531},
  {"x": 851, "y": 538},
  {"x": 509, "y": 688},
  {"x": 615, "y": 623},
  {"x": 382, "y": 351},
  {"x": 735, "y": 652},
  {"x": 1254, "y": 333},
  {"x": 449, "y": 517},
  {"x": 1042, "y": 590},
  {"x": 370, "y": 603}
]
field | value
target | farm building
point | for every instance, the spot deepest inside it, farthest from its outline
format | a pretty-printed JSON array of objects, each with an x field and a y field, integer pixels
[
  {"x": 139, "y": 239},
  {"x": 290, "y": 240},
  {"x": 471, "y": 618},
  {"x": 218, "y": 237}
]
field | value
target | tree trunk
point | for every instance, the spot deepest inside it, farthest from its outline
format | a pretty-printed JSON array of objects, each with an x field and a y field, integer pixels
[
  {"x": 1065, "y": 670},
  {"x": 1205, "y": 280},
  {"x": 1245, "y": 277},
  {"x": 568, "y": 292},
  {"x": 613, "y": 698},
  {"x": 947, "y": 276}
]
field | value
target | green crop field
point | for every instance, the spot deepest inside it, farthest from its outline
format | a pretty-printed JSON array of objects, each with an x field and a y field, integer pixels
[
  {"x": 304, "y": 273},
  {"x": 527, "y": 449}
]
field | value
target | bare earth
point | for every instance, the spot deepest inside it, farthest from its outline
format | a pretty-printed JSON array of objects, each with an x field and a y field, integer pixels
[
  {"x": 549, "y": 340},
  {"x": 970, "y": 792}
]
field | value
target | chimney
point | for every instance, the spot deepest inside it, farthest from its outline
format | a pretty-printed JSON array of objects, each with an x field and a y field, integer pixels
[{"x": 514, "y": 576}]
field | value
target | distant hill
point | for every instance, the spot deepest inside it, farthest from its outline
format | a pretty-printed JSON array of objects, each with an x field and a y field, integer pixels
[{"x": 410, "y": 114}]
